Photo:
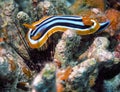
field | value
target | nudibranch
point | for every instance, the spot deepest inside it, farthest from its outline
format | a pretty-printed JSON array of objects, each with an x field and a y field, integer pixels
[{"x": 41, "y": 30}]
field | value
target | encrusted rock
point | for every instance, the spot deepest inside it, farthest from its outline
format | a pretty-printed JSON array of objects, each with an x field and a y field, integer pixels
[
  {"x": 84, "y": 76},
  {"x": 117, "y": 51},
  {"x": 2, "y": 51},
  {"x": 7, "y": 12},
  {"x": 112, "y": 85},
  {"x": 23, "y": 17},
  {"x": 82, "y": 67},
  {"x": 67, "y": 47},
  {"x": 101, "y": 42},
  {"x": 24, "y": 5},
  {"x": 45, "y": 8},
  {"x": 45, "y": 81},
  {"x": 8, "y": 8},
  {"x": 8, "y": 76},
  {"x": 113, "y": 16},
  {"x": 98, "y": 50}
]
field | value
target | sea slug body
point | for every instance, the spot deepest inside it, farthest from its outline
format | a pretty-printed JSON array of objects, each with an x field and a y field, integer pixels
[{"x": 41, "y": 30}]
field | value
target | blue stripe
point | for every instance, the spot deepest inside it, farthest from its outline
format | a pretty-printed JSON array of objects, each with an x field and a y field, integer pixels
[
  {"x": 103, "y": 26},
  {"x": 65, "y": 23},
  {"x": 74, "y": 18}
]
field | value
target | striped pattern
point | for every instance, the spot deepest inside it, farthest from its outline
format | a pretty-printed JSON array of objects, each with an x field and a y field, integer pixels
[{"x": 49, "y": 25}]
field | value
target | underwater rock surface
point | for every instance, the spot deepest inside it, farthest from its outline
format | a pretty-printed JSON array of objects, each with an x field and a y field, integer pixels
[
  {"x": 98, "y": 50},
  {"x": 67, "y": 62},
  {"x": 67, "y": 47},
  {"x": 112, "y": 85},
  {"x": 45, "y": 81}
]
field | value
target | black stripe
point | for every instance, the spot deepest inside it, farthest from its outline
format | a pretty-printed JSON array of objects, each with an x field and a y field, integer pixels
[
  {"x": 58, "y": 16},
  {"x": 62, "y": 24},
  {"x": 43, "y": 24},
  {"x": 102, "y": 27}
]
